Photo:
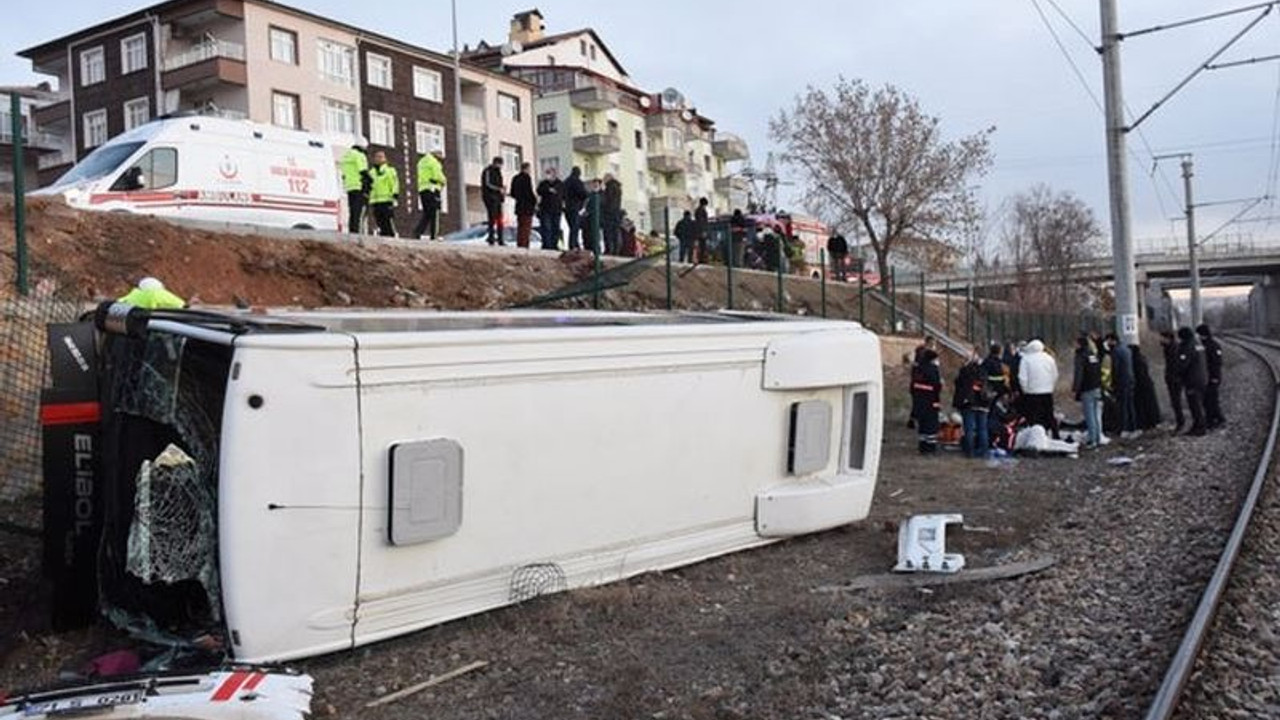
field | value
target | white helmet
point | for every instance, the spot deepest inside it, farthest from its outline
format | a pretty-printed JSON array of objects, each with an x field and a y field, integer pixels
[
  {"x": 360, "y": 142},
  {"x": 150, "y": 283}
]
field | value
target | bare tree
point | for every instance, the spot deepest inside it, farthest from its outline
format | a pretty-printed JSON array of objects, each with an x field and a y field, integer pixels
[
  {"x": 1045, "y": 234},
  {"x": 874, "y": 160}
]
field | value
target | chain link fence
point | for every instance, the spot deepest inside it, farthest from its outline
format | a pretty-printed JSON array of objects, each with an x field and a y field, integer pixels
[{"x": 24, "y": 370}]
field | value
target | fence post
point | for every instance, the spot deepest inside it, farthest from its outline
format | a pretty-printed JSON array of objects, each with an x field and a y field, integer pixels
[
  {"x": 1004, "y": 320},
  {"x": 593, "y": 226},
  {"x": 923, "y": 307},
  {"x": 862, "y": 295},
  {"x": 728, "y": 266},
  {"x": 948, "y": 293},
  {"x": 666, "y": 221},
  {"x": 893, "y": 300},
  {"x": 822, "y": 279},
  {"x": 968, "y": 313},
  {"x": 19, "y": 193},
  {"x": 781, "y": 241}
]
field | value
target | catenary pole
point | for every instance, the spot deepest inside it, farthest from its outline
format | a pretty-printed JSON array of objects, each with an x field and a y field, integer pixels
[
  {"x": 1118, "y": 178},
  {"x": 1193, "y": 253},
  {"x": 19, "y": 193},
  {"x": 460, "y": 183}
]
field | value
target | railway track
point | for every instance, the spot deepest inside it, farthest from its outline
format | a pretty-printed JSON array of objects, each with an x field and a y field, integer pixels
[{"x": 1197, "y": 639}]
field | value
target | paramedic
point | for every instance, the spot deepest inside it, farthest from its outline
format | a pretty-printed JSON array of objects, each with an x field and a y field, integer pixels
[
  {"x": 929, "y": 344},
  {"x": 1213, "y": 362},
  {"x": 993, "y": 370},
  {"x": 1038, "y": 375},
  {"x": 355, "y": 181},
  {"x": 1192, "y": 377},
  {"x": 150, "y": 294},
  {"x": 431, "y": 181},
  {"x": 1172, "y": 383},
  {"x": 384, "y": 194},
  {"x": 1086, "y": 385},
  {"x": 1122, "y": 382},
  {"x": 926, "y": 399}
]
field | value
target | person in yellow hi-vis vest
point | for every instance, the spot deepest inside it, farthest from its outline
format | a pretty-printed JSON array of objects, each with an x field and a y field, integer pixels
[
  {"x": 431, "y": 181},
  {"x": 355, "y": 182},
  {"x": 150, "y": 294},
  {"x": 384, "y": 194}
]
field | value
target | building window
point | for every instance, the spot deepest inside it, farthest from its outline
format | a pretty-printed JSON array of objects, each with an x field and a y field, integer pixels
[
  {"x": 706, "y": 162},
  {"x": 549, "y": 163},
  {"x": 429, "y": 138},
  {"x": 547, "y": 124},
  {"x": 582, "y": 47},
  {"x": 428, "y": 85},
  {"x": 133, "y": 53},
  {"x": 336, "y": 62},
  {"x": 508, "y": 107},
  {"x": 593, "y": 52},
  {"x": 284, "y": 45},
  {"x": 613, "y": 128},
  {"x": 551, "y": 60},
  {"x": 93, "y": 68},
  {"x": 639, "y": 140},
  {"x": 673, "y": 140},
  {"x": 474, "y": 148},
  {"x": 382, "y": 129},
  {"x": 641, "y": 176},
  {"x": 136, "y": 112},
  {"x": 285, "y": 110},
  {"x": 378, "y": 71},
  {"x": 339, "y": 117},
  {"x": 95, "y": 128},
  {"x": 512, "y": 156}
]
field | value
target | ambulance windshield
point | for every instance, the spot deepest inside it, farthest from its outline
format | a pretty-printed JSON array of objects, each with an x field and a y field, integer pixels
[{"x": 99, "y": 163}]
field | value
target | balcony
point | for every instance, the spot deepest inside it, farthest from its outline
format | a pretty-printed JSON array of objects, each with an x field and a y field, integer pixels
[
  {"x": 731, "y": 185},
  {"x": 208, "y": 63},
  {"x": 667, "y": 163},
  {"x": 594, "y": 98},
  {"x": 36, "y": 140},
  {"x": 52, "y": 114},
  {"x": 52, "y": 160},
  {"x": 597, "y": 144},
  {"x": 194, "y": 17},
  {"x": 664, "y": 119},
  {"x": 730, "y": 147}
]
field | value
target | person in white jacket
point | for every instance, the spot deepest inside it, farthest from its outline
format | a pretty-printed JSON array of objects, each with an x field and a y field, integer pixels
[{"x": 1038, "y": 376}]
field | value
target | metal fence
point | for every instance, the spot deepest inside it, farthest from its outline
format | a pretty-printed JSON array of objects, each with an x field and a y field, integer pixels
[{"x": 24, "y": 360}]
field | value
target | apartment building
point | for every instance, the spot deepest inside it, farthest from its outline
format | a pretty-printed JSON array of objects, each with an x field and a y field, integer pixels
[
  {"x": 271, "y": 63},
  {"x": 588, "y": 113},
  {"x": 39, "y": 148}
]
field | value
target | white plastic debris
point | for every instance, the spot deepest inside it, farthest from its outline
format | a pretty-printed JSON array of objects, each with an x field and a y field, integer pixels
[
  {"x": 922, "y": 545},
  {"x": 243, "y": 694}
]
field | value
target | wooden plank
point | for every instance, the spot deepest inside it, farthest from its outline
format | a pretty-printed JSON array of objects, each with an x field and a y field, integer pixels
[
  {"x": 889, "y": 581},
  {"x": 430, "y": 682}
]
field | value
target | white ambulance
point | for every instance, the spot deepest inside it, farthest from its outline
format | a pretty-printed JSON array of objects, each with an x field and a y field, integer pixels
[{"x": 211, "y": 169}]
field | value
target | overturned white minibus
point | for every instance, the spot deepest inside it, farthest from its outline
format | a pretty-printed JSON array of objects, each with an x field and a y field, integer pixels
[{"x": 305, "y": 483}]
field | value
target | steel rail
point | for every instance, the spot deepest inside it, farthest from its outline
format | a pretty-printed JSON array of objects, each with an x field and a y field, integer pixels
[{"x": 1175, "y": 678}]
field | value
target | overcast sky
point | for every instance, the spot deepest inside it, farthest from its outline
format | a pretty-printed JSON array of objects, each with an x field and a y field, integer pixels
[{"x": 974, "y": 63}]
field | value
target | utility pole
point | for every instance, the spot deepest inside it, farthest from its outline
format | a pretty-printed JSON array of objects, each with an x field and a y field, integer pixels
[
  {"x": 459, "y": 183},
  {"x": 1193, "y": 253},
  {"x": 1118, "y": 177}
]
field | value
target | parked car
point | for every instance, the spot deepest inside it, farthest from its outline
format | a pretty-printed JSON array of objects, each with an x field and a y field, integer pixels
[{"x": 477, "y": 234}]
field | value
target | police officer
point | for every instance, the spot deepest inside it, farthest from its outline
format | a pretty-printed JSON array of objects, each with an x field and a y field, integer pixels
[
  {"x": 431, "y": 181},
  {"x": 1213, "y": 361},
  {"x": 1193, "y": 377},
  {"x": 356, "y": 182},
  {"x": 384, "y": 193}
]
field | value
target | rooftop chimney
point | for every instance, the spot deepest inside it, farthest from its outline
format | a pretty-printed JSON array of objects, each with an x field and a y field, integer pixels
[{"x": 527, "y": 27}]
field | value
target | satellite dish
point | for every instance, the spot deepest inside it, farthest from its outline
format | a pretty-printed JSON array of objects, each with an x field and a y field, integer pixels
[
  {"x": 511, "y": 48},
  {"x": 672, "y": 99},
  {"x": 686, "y": 116},
  {"x": 646, "y": 102}
]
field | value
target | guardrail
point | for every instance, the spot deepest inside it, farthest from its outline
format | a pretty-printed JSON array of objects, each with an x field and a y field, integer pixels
[{"x": 205, "y": 51}]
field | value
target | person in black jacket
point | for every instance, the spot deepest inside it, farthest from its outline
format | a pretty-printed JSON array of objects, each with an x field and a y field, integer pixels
[
  {"x": 1086, "y": 385},
  {"x": 526, "y": 204},
  {"x": 1145, "y": 401},
  {"x": 926, "y": 398},
  {"x": 1213, "y": 362},
  {"x": 971, "y": 398},
  {"x": 1193, "y": 376},
  {"x": 685, "y": 233},
  {"x": 1172, "y": 381},
  {"x": 701, "y": 231},
  {"x": 550, "y": 205},
  {"x": 493, "y": 192},
  {"x": 838, "y": 250},
  {"x": 575, "y": 198},
  {"x": 611, "y": 215}
]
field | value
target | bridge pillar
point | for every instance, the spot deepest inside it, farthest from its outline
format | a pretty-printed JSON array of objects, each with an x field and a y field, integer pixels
[
  {"x": 1264, "y": 307},
  {"x": 1159, "y": 308}
]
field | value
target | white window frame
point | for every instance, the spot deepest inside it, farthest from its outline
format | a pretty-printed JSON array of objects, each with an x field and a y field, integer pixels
[
  {"x": 88, "y": 121},
  {"x": 131, "y": 107},
  {"x": 513, "y": 104},
  {"x": 481, "y": 148},
  {"x": 433, "y": 93},
  {"x": 378, "y": 123},
  {"x": 336, "y": 62},
  {"x": 555, "y": 123},
  {"x": 374, "y": 60},
  {"x": 512, "y": 156},
  {"x": 295, "y": 108},
  {"x": 339, "y": 118},
  {"x": 129, "y": 64},
  {"x": 273, "y": 33},
  {"x": 549, "y": 162},
  {"x": 428, "y": 137},
  {"x": 88, "y": 78}
]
